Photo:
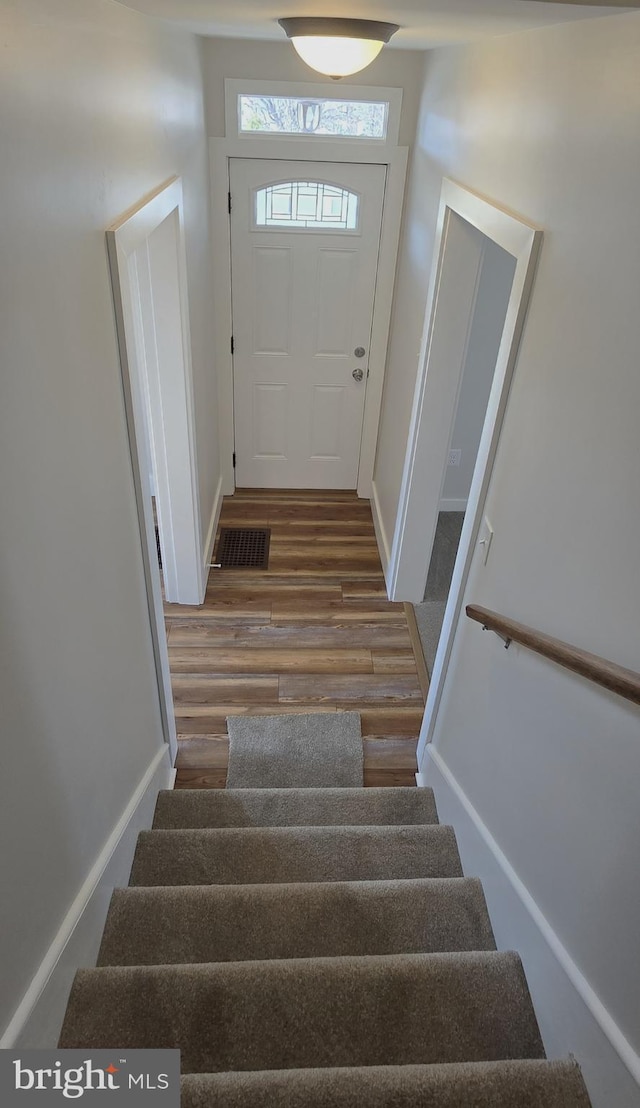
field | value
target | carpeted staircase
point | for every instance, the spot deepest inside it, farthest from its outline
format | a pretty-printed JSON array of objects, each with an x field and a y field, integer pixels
[{"x": 315, "y": 948}]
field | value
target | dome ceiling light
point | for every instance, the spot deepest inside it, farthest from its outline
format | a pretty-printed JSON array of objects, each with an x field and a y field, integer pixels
[{"x": 337, "y": 47}]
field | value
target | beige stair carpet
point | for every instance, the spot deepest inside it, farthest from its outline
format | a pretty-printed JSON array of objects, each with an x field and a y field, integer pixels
[
  {"x": 253, "y": 855},
  {"x": 199, "y": 923},
  {"x": 457, "y": 1085},
  {"x": 293, "y": 807},
  {"x": 313, "y": 1012},
  {"x": 315, "y": 948},
  {"x": 296, "y": 751}
]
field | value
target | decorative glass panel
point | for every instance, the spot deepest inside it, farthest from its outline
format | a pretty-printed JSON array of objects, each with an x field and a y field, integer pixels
[
  {"x": 293, "y": 115},
  {"x": 309, "y": 204},
  {"x": 281, "y": 204}
]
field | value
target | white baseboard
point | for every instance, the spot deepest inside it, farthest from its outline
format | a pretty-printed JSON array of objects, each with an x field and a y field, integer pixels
[
  {"x": 38, "y": 1018},
  {"x": 572, "y": 1018},
  {"x": 382, "y": 539},
  {"x": 207, "y": 556},
  {"x": 453, "y": 505}
]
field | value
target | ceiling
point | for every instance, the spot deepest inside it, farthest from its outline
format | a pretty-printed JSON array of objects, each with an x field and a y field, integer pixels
[{"x": 423, "y": 23}]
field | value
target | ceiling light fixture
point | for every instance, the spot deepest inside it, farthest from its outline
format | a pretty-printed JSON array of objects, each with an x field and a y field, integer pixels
[{"x": 337, "y": 47}]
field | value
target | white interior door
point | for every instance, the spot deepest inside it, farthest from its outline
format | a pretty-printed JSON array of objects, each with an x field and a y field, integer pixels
[{"x": 305, "y": 238}]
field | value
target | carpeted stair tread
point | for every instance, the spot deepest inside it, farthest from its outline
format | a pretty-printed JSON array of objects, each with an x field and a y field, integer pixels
[
  {"x": 225, "y": 923},
  {"x": 293, "y": 807},
  {"x": 315, "y": 1012},
  {"x": 259, "y": 855},
  {"x": 519, "y": 1084}
]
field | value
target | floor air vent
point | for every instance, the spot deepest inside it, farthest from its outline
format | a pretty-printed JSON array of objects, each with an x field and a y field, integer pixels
[{"x": 240, "y": 548}]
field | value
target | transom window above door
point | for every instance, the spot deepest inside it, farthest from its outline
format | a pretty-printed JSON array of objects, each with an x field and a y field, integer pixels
[
  {"x": 309, "y": 205},
  {"x": 298, "y": 111},
  {"x": 320, "y": 116}
]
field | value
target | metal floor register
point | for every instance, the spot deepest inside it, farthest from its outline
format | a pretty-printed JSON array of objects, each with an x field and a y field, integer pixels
[{"x": 241, "y": 548}]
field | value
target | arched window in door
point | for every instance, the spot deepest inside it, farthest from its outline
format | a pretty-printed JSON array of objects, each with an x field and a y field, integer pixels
[{"x": 314, "y": 205}]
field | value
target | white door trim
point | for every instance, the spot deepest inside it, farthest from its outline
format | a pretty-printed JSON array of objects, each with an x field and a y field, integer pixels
[
  {"x": 124, "y": 242},
  {"x": 395, "y": 158},
  {"x": 413, "y": 532}
]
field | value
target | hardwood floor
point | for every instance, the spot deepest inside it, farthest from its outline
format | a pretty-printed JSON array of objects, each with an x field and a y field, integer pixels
[{"x": 312, "y": 633}]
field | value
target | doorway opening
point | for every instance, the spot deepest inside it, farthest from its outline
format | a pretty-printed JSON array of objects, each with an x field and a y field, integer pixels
[
  {"x": 495, "y": 275},
  {"x": 148, "y": 271},
  {"x": 478, "y": 297}
]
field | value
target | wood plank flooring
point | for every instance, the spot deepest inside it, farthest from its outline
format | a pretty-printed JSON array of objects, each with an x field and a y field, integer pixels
[{"x": 312, "y": 633}]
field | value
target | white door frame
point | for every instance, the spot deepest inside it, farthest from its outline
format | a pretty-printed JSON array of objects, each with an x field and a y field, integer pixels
[
  {"x": 395, "y": 158},
  {"x": 438, "y": 384},
  {"x": 173, "y": 432}
]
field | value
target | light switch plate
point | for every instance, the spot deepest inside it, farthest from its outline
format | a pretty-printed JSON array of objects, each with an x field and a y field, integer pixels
[{"x": 484, "y": 540}]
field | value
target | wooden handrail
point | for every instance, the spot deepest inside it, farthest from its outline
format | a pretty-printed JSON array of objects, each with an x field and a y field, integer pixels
[{"x": 624, "y": 682}]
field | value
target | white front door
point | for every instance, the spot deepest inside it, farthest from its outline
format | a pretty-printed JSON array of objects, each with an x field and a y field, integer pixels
[{"x": 304, "y": 247}]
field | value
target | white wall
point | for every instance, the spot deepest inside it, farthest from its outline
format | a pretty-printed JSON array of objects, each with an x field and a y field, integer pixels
[
  {"x": 412, "y": 279},
  {"x": 546, "y": 124},
  {"x": 494, "y": 288},
  {"x": 278, "y": 61},
  {"x": 99, "y": 106}
]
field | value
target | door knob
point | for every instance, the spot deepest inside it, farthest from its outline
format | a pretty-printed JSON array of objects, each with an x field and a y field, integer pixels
[{"x": 357, "y": 374}]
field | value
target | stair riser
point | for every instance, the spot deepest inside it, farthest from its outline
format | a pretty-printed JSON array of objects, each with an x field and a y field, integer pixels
[
  {"x": 293, "y": 807},
  {"x": 282, "y": 854},
  {"x": 479, "y": 1085},
  {"x": 412, "y": 1009},
  {"x": 234, "y": 923}
]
